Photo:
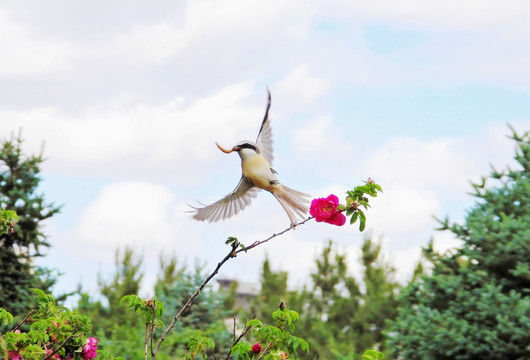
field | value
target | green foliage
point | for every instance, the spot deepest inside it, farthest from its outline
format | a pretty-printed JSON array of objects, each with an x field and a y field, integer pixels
[
  {"x": 198, "y": 347},
  {"x": 476, "y": 302},
  {"x": 372, "y": 355},
  {"x": 19, "y": 180},
  {"x": 118, "y": 331},
  {"x": 337, "y": 319},
  {"x": 53, "y": 329},
  {"x": 205, "y": 318},
  {"x": 148, "y": 310},
  {"x": 273, "y": 290},
  {"x": 122, "y": 318},
  {"x": 8, "y": 219},
  {"x": 357, "y": 198},
  {"x": 280, "y": 342}
]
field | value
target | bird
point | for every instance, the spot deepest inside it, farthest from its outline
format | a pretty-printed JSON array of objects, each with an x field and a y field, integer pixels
[{"x": 257, "y": 174}]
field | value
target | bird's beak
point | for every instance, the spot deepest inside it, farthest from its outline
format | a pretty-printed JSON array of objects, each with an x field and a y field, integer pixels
[{"x": 224, "y": 150}]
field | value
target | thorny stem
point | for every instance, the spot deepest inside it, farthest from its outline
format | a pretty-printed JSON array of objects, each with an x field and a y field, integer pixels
[
  {"x": 257, "y": 243},
  {"x": 23, "y": 320},
  {"x": 231, "y": 254},
  {"x": 265, "y": 351},
  {"x": 235, "y": 341},
  {"x": 151, "y": 330},
  {"x": 146, "y": 346},
  {"x": 63, "y": 343}
]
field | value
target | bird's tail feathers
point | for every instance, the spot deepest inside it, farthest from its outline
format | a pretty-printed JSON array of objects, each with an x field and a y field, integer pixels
[{"x": 295, "y": 203}]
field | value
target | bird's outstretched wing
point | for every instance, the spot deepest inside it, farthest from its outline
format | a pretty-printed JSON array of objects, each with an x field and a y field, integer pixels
[
  {"x": 264, "y": 141},
  {"x": 230, "y": 205}
]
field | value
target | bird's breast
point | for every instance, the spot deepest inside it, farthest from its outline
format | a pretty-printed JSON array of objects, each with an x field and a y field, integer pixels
[{"x": 258, "y": 170}]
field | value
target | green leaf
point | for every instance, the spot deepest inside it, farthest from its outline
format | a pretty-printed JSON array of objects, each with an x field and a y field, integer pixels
[
  {"x": 362, "y": 221},
  {"x": 159, "y": 308},
  {"x": 372, "y": 355},
  {"x": 230, "y": 240},
  {"x": 5, "y": 317},
  {"x": 254, "y": 322},
  {"x": 354, "y": 218}
]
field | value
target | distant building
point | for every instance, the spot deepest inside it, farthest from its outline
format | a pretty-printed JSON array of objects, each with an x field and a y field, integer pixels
[{"x": 245, "y": 291}]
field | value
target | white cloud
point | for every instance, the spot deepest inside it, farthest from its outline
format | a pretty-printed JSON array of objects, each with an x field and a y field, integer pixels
[
  {"x": 138, "y": 139},
  {"x": 150, "y": 43},
  {"x": 25, "y": 53},
  {"x": 400, "y": 211},
  {"x": 413, "y": 162},
  {"x": 322, "y": 142},
  {"x": 138, "y": 214},
  {"x": 450, "y": 15},
  {"x": 300, "y": 88}
]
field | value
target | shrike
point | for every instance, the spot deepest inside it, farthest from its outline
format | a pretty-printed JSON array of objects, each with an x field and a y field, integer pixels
[{"x": 257, "y": 174}]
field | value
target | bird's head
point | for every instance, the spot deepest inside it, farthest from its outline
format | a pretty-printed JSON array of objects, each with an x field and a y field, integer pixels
[{"x": 244, "y": 149}]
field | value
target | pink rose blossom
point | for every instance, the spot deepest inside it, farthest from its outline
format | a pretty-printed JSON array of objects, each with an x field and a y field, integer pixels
[
  {"x": 56, "y": 356},
  {"x": 256, "y": 349},
  {"x": 326, "y": 210},
  {"x": 13, "y": 355},
  {"x": 90, "y": 350}
]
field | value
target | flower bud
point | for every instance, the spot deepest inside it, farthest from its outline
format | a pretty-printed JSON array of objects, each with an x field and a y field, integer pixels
[{"x": 256, "y": 349}]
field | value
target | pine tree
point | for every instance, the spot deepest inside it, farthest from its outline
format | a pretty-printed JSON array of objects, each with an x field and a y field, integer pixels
[
  {"x": 206, "y": 316},
  {"x": 19, "y": 180},
  {"x": 476, "y": 302},
  {"x": 118, "y": 331},
  {"x": 273, "y": 291},
  {"x": 337, "y": 318}
]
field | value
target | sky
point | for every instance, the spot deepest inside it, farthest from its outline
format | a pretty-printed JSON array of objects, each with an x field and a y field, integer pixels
[{"x": 129, "y": 98}]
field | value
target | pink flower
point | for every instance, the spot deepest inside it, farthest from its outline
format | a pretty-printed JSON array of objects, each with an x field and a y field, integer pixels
[
  {"x": 326, "y": 210},
  {"x": 256, "y": 349},
  {"x": 56, "y": 355},
  {"x": 90, "y": 350},
  {"x": 13, "y": 355}
]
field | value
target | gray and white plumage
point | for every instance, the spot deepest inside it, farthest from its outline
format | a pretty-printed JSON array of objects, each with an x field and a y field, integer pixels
[{"x": 257, "y": 174}]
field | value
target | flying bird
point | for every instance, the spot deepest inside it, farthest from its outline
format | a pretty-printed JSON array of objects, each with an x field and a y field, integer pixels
[{"x": 256, "y": 159}]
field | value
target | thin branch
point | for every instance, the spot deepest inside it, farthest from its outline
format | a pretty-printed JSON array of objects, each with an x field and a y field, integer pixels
[
  {"x": 146, "y": 345},
  {"x": 267, "y": 348},
  {"x": 235, "y": 341},
  {"x": 231, "y": 254},
  {"x": 257, "y": 243},
  {"x": 23, "y": 320},
  {"x": 64, "y": 342},
  {"x": 151, "y": 330},
  {"x": 234, "y": 332}
]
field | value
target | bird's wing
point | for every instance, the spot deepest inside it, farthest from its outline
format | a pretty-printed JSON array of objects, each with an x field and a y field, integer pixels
[
  {"x": 230, "y": 205},
  {"x": 264, "y": 141}
]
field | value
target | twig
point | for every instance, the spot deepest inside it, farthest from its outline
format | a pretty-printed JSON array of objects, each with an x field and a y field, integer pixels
[
  {"x": 257, "y": 243},
  {"x": 233, "y": 253},
  {"x": 146, "y": 345},
  {"x": 234, "y": 331},
  {"x": 62, "y": 345},
  {"x": 170, "y": 327},
  {"x": 23, "y": 320},
  {"x": 235, "y": 341},
  {"x": 151, "y": 330},
  {"x": 265, "y": 351}
]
